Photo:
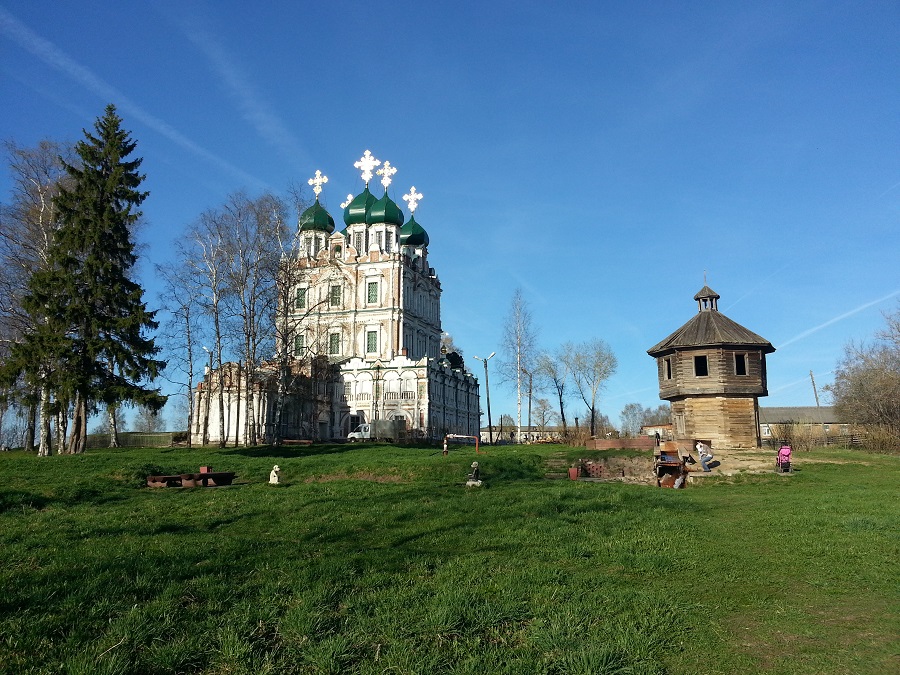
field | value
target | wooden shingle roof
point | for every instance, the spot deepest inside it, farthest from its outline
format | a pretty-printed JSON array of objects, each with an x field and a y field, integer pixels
[{"x": 711, "y": 328}]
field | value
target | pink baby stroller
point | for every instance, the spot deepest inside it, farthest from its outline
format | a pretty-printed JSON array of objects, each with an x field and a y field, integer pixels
[{"x": 783, "y": 460}]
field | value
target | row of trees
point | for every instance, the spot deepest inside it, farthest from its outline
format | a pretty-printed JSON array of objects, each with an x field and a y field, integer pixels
[
  {"x": 75, "y": 333},
  {"x": 573, "y": 370},
  {"x": 74, "y": 327},
  {"x": 229, "y": 292}
]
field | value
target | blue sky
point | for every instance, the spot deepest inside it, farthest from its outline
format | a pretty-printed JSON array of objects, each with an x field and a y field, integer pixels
[{"x": 601, "y": 156}]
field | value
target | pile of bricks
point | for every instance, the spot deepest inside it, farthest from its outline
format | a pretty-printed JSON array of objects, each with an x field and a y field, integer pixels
[{"x": 593, "y": 469}]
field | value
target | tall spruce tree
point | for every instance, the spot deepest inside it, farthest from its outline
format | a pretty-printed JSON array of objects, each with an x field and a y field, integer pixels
[{"x": 93, "y": 318}]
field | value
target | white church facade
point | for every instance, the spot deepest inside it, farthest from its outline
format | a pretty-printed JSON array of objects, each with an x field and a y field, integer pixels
[{"x": 365, "y": 318}]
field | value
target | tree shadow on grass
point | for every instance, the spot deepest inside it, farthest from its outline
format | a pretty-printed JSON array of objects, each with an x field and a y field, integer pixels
[
  {"x": 290, "y": 451},
  {"x": 76, "y": 494},
  {"x": 11, "y": 500}
]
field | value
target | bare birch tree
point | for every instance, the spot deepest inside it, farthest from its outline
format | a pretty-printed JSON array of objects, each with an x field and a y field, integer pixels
[
  {"x": 205, "y": 253},
  {"x": 254, "y": 253},
  {"x": 519, "y": 348},
  {"x": 27, "y": 225},
  {"x": 182, "y": 331},
  {"x": 591, "y": 364}
]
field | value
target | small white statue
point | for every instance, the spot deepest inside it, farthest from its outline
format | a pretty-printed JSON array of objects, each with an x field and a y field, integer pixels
[
  {"x": 275, "y": 476},
  {"x": 474, "y": 477}
]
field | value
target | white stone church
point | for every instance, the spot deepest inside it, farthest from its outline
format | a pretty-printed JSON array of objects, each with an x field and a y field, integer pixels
[{"x": 367, "y": 309}]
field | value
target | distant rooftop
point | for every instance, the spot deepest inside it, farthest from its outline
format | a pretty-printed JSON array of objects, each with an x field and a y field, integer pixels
[{"x": 809, "y": 414}]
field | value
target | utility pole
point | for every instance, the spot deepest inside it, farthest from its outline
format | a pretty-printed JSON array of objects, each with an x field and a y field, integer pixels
[
  {"x": 487, "y": 392},
  {"x": 818, "y": 409}
]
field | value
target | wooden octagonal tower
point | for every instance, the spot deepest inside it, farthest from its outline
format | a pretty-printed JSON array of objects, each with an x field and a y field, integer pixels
[{"x": 713, "y": 371}]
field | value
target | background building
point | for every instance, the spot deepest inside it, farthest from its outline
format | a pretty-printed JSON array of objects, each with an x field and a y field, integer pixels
[{"x": 365, "y": 322}]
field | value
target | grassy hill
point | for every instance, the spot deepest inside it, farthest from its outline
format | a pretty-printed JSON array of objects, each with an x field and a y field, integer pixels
[{"x": 376, "y": 559}]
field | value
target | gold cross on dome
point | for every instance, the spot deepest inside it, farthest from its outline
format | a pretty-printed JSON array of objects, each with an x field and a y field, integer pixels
[
  {"x": 386, "y": 172},
  {"x": 412, "y": 199},
  {"x": 347, "y": 203},
  {"x": 365, "y": 164},
  {"x": 317, "y": 182}
]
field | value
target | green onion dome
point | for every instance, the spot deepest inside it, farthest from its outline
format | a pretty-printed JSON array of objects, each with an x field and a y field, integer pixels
[
  {"x": 413, "y": 234},
  {"x": 356, "y": 211},
  {"x": 316, "y": 219},
  {"x": 385, "y": 211}
]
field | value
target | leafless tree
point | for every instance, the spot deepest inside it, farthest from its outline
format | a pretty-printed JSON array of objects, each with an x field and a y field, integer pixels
[
  {"x": 552, "y": 370},
  {"x": 544, "y": 415},
  {"x": 302, "y": 363},
  {"x": 257, "y": 227},
  {"x": 632, "y": 417},
  {"x": 661, "y": 414},
  {"x": 519, "y": 349},
  {"x": 506, "y": 421},
  {"x": 448, "y": 345},
  {"x": 148, "y": 421},
  {"x": 182, "y": 331},
  {"x": 866, "y": 388},
  {"x": 27, "y": 225},
  {"x": 591, "y": 364},
  {"x": 205, "y": 253}
]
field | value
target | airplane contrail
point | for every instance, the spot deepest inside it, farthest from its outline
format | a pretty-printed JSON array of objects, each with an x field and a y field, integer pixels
[
  {"x": 837, "y": 318},
  {"x": 888, "y": 190},
  {"x": 758, "y": 285},
  {"x": 53, "y": 56},
  {"x": 802, "y": 380},
  {"x": 250, "y": 103}
]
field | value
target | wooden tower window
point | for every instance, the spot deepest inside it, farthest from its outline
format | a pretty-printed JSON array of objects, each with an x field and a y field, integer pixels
[
  {"x": 740, "y": 364},
  {"x": 701, "y": 367}
]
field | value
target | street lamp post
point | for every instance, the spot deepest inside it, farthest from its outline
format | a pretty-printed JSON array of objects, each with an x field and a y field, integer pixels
[
  {"x": 487, "y": 392},
  {"x": 377, "y": 392}
]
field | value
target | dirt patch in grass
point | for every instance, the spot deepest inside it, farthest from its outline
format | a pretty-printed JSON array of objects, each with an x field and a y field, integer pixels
[{"x": 358, "y": 475}]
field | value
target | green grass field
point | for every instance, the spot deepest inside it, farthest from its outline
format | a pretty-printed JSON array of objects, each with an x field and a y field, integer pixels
[{"x": 375, "y": 559}]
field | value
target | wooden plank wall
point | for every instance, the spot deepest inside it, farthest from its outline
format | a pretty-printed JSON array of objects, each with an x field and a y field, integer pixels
[{"x": 729, "y": 422}]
